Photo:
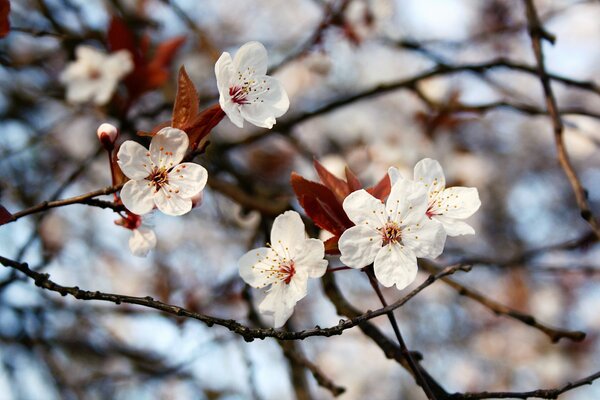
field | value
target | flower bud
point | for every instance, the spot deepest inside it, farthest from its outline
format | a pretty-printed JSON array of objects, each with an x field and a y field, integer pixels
[{"x": 107, "y": 134}]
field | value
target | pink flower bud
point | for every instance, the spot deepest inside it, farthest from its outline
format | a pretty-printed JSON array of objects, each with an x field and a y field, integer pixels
[{"x": 107, "y": 134}]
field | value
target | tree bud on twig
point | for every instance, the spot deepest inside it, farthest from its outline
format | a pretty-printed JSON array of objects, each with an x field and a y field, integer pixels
[{"x": 107, "y": 134}]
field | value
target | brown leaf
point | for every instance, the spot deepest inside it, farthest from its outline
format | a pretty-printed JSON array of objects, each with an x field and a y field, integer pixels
[
  {"x": 352, "y": 180},
  {"x": 202, "y": 124},
  {"x": 165, "y": 52},
  {"x": 186, "y": 101},
  {"x": 338, "y": 186},
  {"x": 120, "y": 37},
  {"x": 5, "y": 215},
  {"x": 4, "y": 21},
  {"x": 331, "y": 245},
  {"x": 382, "y": 189},
  {"x": 321, "y": 205},
  {"x": 154, "y": 130}
]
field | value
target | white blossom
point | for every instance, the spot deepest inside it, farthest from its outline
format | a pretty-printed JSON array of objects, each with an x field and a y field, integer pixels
[
  {"x": 156, "y": 176},
  {"x": 94, "y": 75},
  {"x": 245, "y": 91},
  {"x": 285, "y": 265},
  {"x": 390, "y": 235},
  {"x": 448, "y": 206},
  {"x": 142, "y": 240}
]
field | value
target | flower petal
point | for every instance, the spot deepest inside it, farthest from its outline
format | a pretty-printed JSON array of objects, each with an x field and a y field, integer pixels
[
  {"x": 251, "y": 57},
  {"x": 454, "y": 227},
  {"x": 187, "y": 179},
  {"x": 359, "y": 245},
  {"x": 253, "y": 264},
  {"x": 171, "y": 203},
  {"x": 168, "y": 147},
  {"x": 394, "y": 174},
  {"x": 395, "y": 265},
  {"x": 426, "y": 239},
  {"x": 142, "y": 240},
  {"x": 430, "y": 173},
  {"x": 362, "y": 208},
  {"x": 133, "y": 160},
  {"x": 310, "y": 259},
  {"x": 458, "y": 202},
  {"x": 281, "y": 300},
  {"x": 137, "y": 196},
  {"x": 269, "y": 103},
  {"x": 407, "y": 202},
  {"x": 287, "y": 234}
]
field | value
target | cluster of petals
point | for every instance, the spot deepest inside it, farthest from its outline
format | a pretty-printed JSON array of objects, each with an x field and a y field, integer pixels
[
  {"x": 392, "y": 235},
  {"x": 94, "y": 76},
  {"x": 245, "y": 90},
  {"x": 448, "y": 206},
  {"x": 284, "y": 266},
  {"x": 157, "y": 176}
]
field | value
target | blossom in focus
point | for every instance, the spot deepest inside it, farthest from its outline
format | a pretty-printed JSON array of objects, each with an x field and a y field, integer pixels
[
  {"x": 156, "y": 176},
  {"x": 245, "y": 91},
  {"x": 448, "y": 206},
  {"x": 94, "y": 75},
  {"x": 390, "y": 235},
  {"x": 285, "y": 266}
]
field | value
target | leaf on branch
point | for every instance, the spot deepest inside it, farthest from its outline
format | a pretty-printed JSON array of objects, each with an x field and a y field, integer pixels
[
  {"x": 338, "y": 186},
  {"x": 353, "y": 182},
  {"x": 4, "y": 21},
  {"x": 5, "y": 215},
  {"x": 186, "y": 101},
  {"x": 154, "y": 130},
  {"x": 331, "y": 245},
  {"x": 202, "y": 124},
  {"x": 382, "y": 189},
  {"x": 321, "y": 205}
]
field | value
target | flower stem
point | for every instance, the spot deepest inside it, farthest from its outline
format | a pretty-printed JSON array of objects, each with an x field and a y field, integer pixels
[{"x": 411, "y": 362}]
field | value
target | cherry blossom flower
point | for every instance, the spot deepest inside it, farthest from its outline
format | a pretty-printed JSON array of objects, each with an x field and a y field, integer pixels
[
  {"x": 390, "y": 235},
  {"x": 143, "y": 238},
  {"x": 285, "y": 265},
  {"x": 94, "y": 75},
  {"x": 447, "y": 206},
  {"x": 245, "y": 91},
  {"x": 156, "y": 176}
]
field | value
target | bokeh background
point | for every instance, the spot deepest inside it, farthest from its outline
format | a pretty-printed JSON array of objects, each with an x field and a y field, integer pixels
[{"x": 487, "y": 128}]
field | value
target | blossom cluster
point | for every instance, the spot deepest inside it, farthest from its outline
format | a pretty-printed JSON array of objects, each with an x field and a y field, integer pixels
[{"x": 387, "y": 227}]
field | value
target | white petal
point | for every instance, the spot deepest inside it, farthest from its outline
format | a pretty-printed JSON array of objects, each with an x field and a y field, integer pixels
[
  {"x": 253, "y": 264},
  {"x": 224, "y": 73},
  {"x": 430, "y": 173},
  {"x": 394, "y": 174},
  {"x": 253, "y": 56},
  {"x": 362, "y": 208},
  {"x": 133, "y": 160},
  {"x": 118, "y": 65},
  {"x": 137, "y": 196},
  {"x": 281, "y": 299},
  {"x": 233, "y": 112},
  {"x": 426, "y": 239},
  {"x": 142, "y": 240},
  {"x": 454, "y": 227},
  {"x": 187, "y": 179},
  {"x": 287, "y": 234},
  {"x": 310, "y": 258},
  {"x": 271, "y": 102},
  {"x": 79, "y": 91},
  {"x": 359, "y": 245},
  {"x": 168, "y": 147},
  {"x": 104, "y": 91},
  {"x": 171, "y": 203},
  {"x": 395, "y": 265},
  {"x": 458, "y": 202},
  {"x": 407, "y": 202}
]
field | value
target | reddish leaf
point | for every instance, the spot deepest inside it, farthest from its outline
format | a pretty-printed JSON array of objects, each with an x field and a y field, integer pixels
[
  {"x": 352, "y": 180},
  {"x": 321, "y": 205},
  {"x": 118, "y": 175},
  {"x": 186, "y": 101},
  {"x": 338, "y": 186},
  {"x": 203, "y": 124},
  {"x": 120, "y": 37},
  {"x": 331, "y": 245},
  {"x": 4, "y": 21},
  {"x": 5, "y": 216},
  {"x": 154, "y": 130},
  {"x": 165, "y": 52},
  {"x": 382, "y": 189}
]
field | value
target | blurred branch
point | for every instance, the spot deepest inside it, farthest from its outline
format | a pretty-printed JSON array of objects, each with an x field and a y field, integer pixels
[
  {"x": 537, "y": 34},
  {"x": 554, "y": 334},
  {"x": 540, "y": 393}
]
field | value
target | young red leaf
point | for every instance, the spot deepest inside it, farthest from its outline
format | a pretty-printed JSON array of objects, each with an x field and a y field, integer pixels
[
  {"x": 353, "y": 182},
  {"x": 120, "y": 37},
  {"x": 5, "y": 216},
  {"x": 155, "y": 129},
  {"x": 338, "y": 186},
  {"x": 382, "y": 189},
  {"x": 186, "y": 101},
  {"x": 203, "y": 124},
  {"x": 4, "y": 21},
  {"x": 165, "y": 52},
  {"x": 321, "y": 205},
  {"x": 331, "y": 245}
]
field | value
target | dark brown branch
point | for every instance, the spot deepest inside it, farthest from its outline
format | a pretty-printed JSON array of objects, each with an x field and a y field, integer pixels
[
  {"x": 539, "y": 394},
  {"x": 537, "y": 34}
]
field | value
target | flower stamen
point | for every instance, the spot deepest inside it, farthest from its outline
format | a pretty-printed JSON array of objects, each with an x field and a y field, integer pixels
[
  {"x": 391, "y": 233},
  {"x": 158, "y": 177}
]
